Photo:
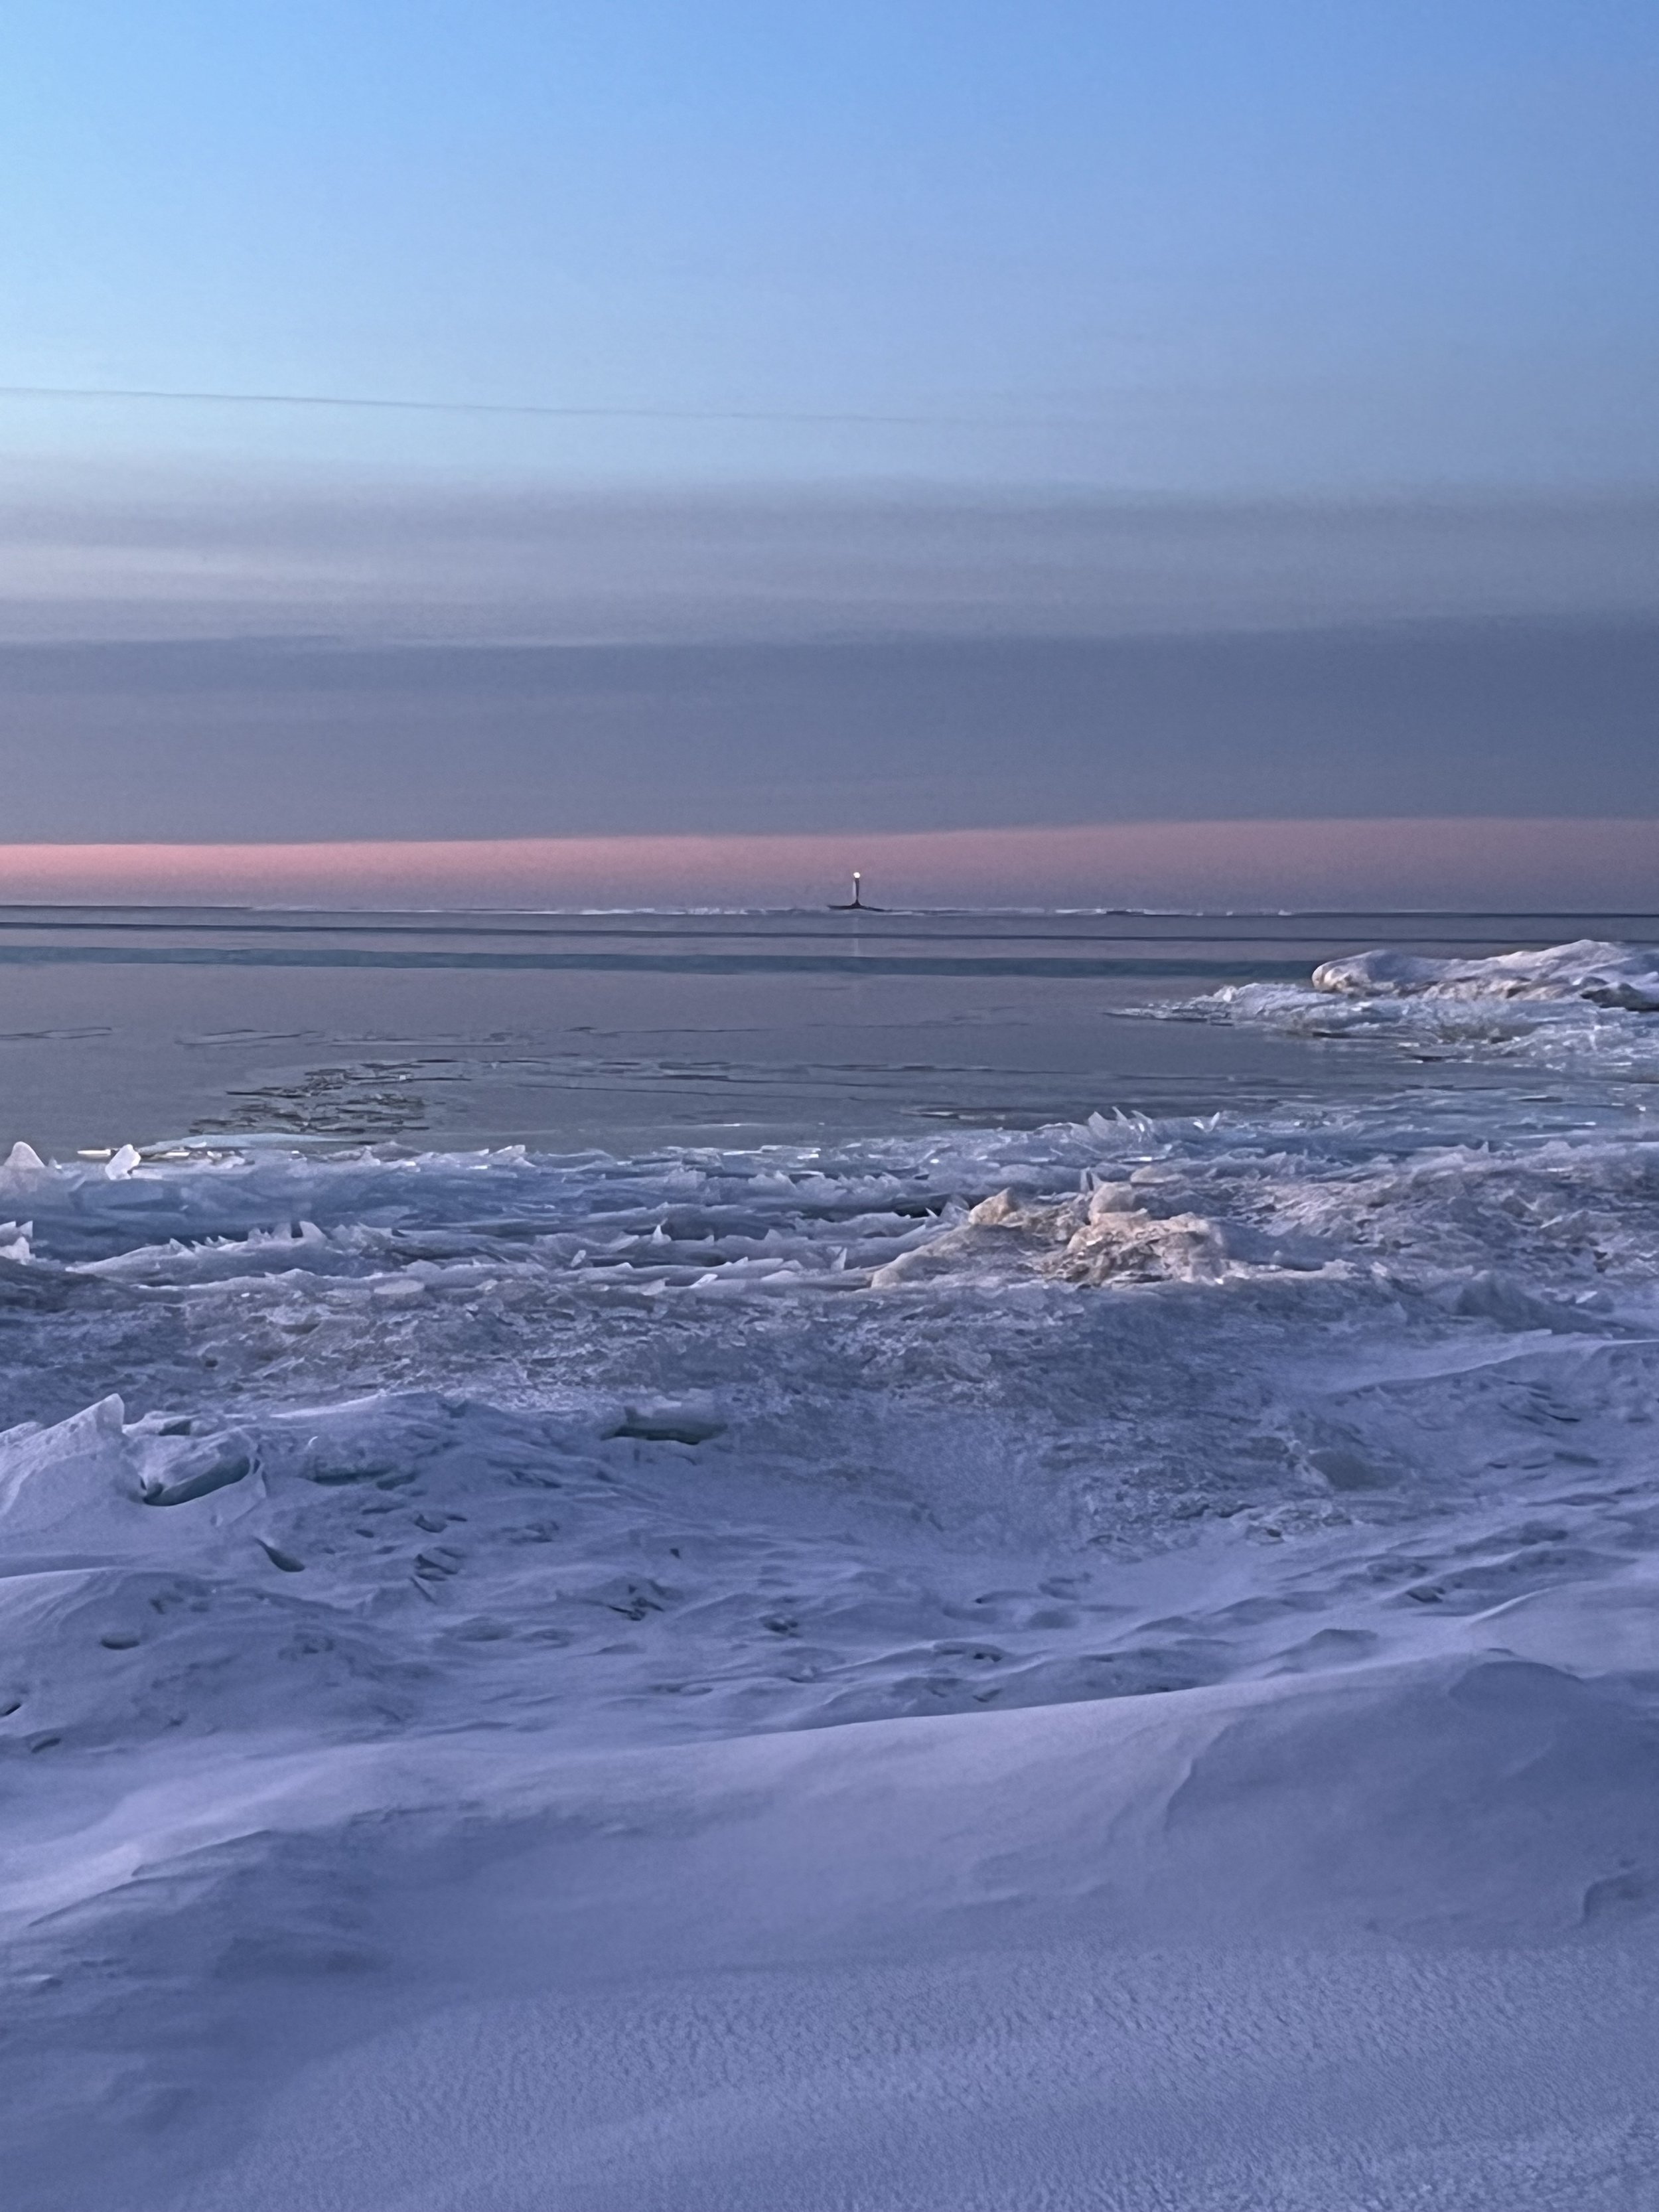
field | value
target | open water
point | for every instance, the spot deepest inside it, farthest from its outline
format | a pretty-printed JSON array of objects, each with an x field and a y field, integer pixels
[
  {"x": 562, "y": 1031},
  {"x": 483, "y": 1395}
]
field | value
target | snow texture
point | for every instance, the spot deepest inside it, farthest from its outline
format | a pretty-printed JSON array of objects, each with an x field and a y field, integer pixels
[
  {"x": 1601, "y": 974},
  {"x": 1583, "y": 1008},
  {"x": 1109, "y": 1667}
]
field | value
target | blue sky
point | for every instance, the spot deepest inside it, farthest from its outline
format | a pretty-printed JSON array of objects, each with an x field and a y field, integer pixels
[
  {"x": 1265, "y": 246},
  {"x": 1034, "y": 413}
]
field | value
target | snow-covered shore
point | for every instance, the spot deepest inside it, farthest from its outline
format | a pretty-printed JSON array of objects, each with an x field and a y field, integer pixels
[{"x": 1110, "y": 1666}]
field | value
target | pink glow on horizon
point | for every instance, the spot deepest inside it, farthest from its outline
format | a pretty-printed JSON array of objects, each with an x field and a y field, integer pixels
[{"x": 1498, "y": 861}]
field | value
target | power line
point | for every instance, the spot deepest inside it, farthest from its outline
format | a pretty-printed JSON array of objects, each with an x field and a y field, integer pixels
[{"x": 516, "y": 407}]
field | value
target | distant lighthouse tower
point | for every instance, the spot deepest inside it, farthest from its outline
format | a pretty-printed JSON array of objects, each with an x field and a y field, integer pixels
[{"x": 855, "y": 904}]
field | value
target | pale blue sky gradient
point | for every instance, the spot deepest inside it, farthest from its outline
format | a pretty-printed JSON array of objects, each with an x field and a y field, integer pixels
[
  {"x": 1203, "y": 246},
  {"x": 1178, "y": 411}
]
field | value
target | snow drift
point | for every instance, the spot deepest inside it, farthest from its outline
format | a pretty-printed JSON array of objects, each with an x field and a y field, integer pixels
[
  {"x": 1104, "y": 1665},
  {"x": 1585, "y": 1007},
  {"x": 1601, "y": 974}
]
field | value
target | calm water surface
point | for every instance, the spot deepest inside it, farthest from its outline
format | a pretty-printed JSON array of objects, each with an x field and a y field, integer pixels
[{"x": 562, "y": 1031}]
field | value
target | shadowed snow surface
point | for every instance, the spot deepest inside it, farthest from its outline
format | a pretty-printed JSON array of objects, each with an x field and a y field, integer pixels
[{"x": 1114, "y": 1666}]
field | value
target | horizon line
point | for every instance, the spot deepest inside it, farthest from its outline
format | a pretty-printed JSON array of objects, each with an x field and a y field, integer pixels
[{"x": 1377, "y": 864}]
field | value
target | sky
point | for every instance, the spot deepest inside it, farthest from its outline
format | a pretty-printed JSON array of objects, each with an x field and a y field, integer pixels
[{"x": 1039, "y": 415}]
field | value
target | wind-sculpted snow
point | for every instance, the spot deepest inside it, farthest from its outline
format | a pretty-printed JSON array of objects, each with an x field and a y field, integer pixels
[
  {"x": 434, "y": 1591},
  {"x": 1626, "y": 975},
  {"x": 1587, "y": 1007}
]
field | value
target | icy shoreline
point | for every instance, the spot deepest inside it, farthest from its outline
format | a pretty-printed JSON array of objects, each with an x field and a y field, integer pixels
[
  {"x": 1109, "y": 1665},
  {"x": 1586, "y": 1006}
]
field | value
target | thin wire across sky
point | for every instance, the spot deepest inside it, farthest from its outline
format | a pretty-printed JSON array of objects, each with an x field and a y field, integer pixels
[{"x": 529, "y": 408}]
